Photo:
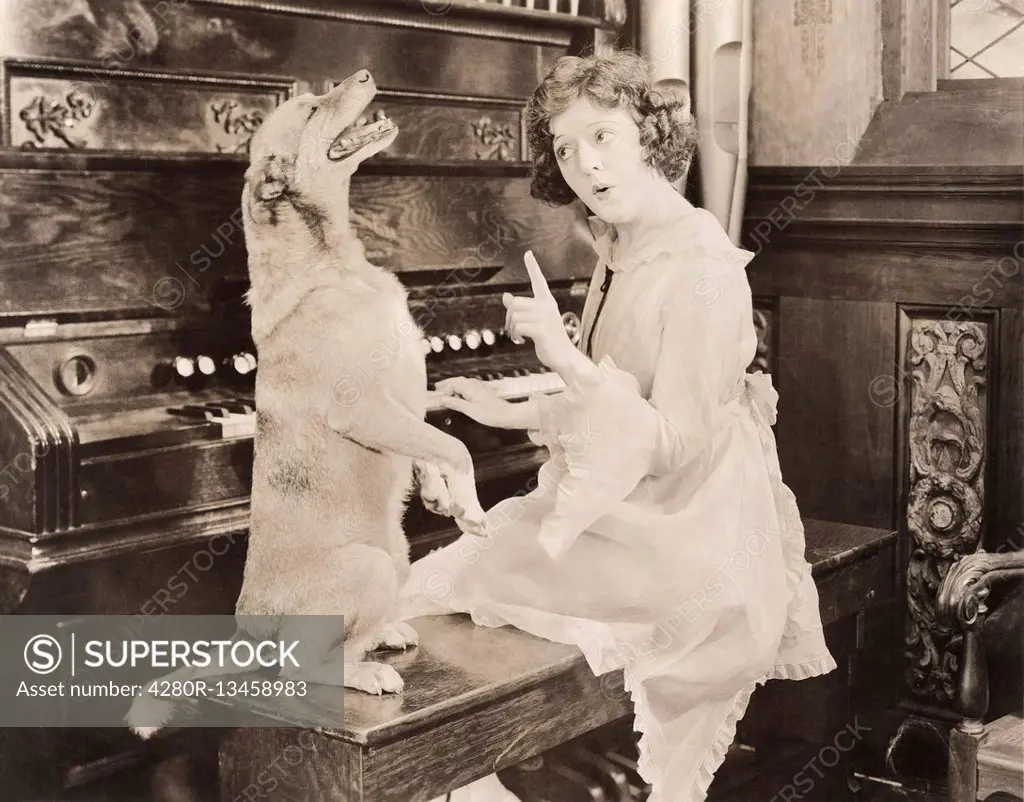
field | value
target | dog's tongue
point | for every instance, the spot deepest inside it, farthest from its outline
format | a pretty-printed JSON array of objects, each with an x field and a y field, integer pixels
[{"x": 356, "y": 136}]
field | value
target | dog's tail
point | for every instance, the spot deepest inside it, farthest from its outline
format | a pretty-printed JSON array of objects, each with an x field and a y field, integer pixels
[{"x": 165, "y": 697}]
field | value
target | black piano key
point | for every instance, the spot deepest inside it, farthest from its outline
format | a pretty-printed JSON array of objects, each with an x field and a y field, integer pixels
[
  {"x": 190, "y": 411},
  {"x": 237, "y": 408}
]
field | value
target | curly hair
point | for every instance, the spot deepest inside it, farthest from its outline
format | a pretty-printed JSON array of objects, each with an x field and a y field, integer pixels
[{"x": 668, "y": 132}]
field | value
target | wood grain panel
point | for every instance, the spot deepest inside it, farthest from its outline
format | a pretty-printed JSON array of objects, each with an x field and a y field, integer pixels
[
  {"x": 449, "y": 129},
  {"x": 167, "y": 241},
  {"x": 53, "y": 105},
  {"x": 836, "y": 368},
  {"x": 166, "y": 480},
  {"x": 977, "y": 123},
  {"x": 106, "y": 243},
  {"x": 426, "y": 52},
  {"x": 886, "y": 273},
  {"x": 519, "y": 727},
  {"x": 427, "y": 223},
  {"x": 1007, "y": 443}
]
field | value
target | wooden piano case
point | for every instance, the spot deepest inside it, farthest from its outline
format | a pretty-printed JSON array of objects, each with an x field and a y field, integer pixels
[{"x": 124, "y": 127}]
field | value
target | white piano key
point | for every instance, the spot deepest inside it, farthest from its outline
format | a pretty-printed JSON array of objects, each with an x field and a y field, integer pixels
[
  {"x": 237, "y": 424},
  {"x": 515, "y": 387}
]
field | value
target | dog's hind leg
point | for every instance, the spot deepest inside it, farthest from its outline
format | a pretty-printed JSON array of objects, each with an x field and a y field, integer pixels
[
  {"x": 339, "y": 620},
  {"x": 382, "y": 424}
]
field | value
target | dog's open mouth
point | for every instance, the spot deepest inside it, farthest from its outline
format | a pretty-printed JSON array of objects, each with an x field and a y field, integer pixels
[{"x": 363, "y": 132}]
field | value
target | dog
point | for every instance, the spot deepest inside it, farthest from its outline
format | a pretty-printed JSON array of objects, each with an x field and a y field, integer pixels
[{"x": 341, "y": 398}]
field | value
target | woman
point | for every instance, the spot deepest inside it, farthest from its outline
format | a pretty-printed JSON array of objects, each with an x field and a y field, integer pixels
[{"x": 660, "y": 538}]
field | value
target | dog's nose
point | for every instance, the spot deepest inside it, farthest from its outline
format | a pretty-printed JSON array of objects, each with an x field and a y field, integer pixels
[{"x": 363, "y": 76}]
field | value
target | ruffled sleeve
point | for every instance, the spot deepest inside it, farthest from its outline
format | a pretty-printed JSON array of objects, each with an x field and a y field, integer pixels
[{"x": 605, "y": 436}]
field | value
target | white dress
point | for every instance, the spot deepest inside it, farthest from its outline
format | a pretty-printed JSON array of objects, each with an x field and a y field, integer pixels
[{"x": 660, "y": 538}]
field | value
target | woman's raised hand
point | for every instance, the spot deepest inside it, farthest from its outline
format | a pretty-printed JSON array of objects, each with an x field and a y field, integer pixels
[
  {"x": 538, "y": 319},
  {"x": 476, "y": 399}
]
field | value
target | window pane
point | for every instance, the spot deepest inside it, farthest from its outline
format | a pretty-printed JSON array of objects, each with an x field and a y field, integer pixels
[{"x": 986, "y": 38}]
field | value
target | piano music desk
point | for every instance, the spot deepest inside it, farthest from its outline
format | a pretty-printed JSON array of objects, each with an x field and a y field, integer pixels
[{"x": 478, "y": 700}]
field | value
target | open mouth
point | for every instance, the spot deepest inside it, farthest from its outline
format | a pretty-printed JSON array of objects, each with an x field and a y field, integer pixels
[
  {"x": 364, "y": 131},
  {"x": 601, "y": 190}
]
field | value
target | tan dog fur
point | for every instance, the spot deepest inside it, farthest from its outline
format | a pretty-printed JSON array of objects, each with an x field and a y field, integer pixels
[{"x": 341, "y": 397}]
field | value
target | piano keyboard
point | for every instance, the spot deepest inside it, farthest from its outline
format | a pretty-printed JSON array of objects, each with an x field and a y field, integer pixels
[{"x": 237, "y": 416}]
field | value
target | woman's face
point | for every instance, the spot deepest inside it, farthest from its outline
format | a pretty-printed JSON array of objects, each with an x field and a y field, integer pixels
[{"x": 599, "y": 155}]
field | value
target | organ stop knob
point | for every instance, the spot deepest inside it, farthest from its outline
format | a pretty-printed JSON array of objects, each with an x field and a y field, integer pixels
[
  {"x": 243, "y": 363},
  {"x": 206, "y": 365},
  {"x": 184, "y": 366}
]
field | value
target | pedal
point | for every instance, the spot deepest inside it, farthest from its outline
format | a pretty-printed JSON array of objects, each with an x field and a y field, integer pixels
[
  {"x": 552, "y": 782},
  {"x": 578, "y": 786},
  {"x": 629, "y": 767},
  {"x": 612, "y": 777}
]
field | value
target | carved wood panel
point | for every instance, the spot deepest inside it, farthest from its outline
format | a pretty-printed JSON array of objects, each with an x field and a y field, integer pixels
[
  {"x": 53, "y": 105},
  {"x": 945, "y": 419}
]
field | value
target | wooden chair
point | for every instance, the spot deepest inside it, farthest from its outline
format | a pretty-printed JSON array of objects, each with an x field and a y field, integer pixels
[{"x": 981, "y": 597}]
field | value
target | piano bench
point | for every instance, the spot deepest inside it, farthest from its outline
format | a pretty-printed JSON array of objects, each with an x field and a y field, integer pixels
[
  {"x": 480, "y": 700},
  {"x": 476, "y": 700}
]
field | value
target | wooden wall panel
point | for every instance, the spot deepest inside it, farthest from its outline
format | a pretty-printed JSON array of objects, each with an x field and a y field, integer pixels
[
  {"x": 836, "y": 408},
  {"x": 901, "y": 381},
  {"x": 1007, "y": 528}
]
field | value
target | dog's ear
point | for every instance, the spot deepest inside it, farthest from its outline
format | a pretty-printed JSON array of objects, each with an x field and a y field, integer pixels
[{"x": 267, "y": 180}]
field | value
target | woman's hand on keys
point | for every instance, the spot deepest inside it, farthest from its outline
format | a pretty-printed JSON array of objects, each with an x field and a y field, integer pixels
[{"x": 474, "y": 398}]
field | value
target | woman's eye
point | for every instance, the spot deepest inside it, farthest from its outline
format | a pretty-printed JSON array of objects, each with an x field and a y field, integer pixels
[
  {"x": 562, "y": 152},
  {"x": 604, "y": 135}
]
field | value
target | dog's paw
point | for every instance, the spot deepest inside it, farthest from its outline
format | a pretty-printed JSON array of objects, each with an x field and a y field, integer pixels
[
  {"x": 375, "y": 678},
  {"x": 472, "y": 525},
  {"x": 433, "y": 489},
  {"x": 145, "y": 733},
  {"x": 396, "y": 636},
  {"x": 466, "y": 510}
]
